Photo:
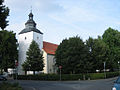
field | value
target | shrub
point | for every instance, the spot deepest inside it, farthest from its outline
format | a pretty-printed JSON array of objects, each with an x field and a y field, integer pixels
[{"x": 94, "y": 76}]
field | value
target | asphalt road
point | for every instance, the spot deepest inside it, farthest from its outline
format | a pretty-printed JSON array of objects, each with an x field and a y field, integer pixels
[{"x": 67, "y": 85}]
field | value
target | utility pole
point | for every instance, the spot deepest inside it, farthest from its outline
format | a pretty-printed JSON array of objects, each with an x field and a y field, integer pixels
[{"x": 60, "y": 67}]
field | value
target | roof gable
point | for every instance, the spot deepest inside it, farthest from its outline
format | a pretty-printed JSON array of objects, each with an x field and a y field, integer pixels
[{"x": 49, "y": 48}]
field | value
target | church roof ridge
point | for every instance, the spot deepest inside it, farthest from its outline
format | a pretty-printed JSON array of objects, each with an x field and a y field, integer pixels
[
  {"x": 50, "y": 43},
  {"x": 49, "y": 48}
]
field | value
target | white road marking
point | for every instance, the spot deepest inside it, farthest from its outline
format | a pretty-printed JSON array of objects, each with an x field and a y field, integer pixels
[{"x": 33, "y": 88}]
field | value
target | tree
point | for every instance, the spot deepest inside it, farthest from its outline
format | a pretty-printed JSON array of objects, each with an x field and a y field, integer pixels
[
  {"x": 34, "y": 61},
  {"x": 112, "y": 38},
  {"x": 71, "y": 54},
  {"x": 4, "y": 13},
  {"x": 8, "y": 49},
  {"x": 98, "y": 51}
]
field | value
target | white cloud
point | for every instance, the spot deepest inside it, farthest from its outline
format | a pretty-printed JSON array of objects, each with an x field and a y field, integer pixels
[
  {"x": 66, "y": 17},
  {"x": 16, "y": 27},
  {"x": 37, "y": 5}
]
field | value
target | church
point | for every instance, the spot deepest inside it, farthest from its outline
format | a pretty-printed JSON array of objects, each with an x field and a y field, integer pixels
[{"x": 25, "y": 37}]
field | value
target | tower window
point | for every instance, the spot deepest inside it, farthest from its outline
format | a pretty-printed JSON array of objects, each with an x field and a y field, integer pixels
[
  {"x": 25, "y": 38},
  {"x": 37, "y": 37}
]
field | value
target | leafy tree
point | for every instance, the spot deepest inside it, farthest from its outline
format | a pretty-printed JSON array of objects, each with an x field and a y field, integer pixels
[
  {"x": 4, "y": 13},
  {"x": 98, "y": 51},
  {"x": 71, "y": 54},
  {"x": 34, "y": 61},
  {"x": 8, "y": 49},
  {"x": 112, "y": 38}
]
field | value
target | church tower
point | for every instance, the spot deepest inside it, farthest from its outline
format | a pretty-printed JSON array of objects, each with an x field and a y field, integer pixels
[{"x": 25, "y": 37}]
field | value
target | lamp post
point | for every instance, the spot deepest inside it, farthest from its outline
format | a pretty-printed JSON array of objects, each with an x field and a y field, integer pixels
[
  {"x": 104, "y": 69},
  {"x": 119, "y": 67},
  {"x": 16, "y": 64}
]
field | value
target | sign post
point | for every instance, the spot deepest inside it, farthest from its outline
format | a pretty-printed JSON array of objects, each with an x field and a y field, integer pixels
[{"x": 60, "y": 67}]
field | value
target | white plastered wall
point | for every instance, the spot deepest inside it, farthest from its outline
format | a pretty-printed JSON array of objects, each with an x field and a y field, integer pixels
[
  {"x": 51, "y": 63},
  {"x": 45, "y": 70},
  {"x": 39, "y": 39},
  {"x": 25, "y": 40}
]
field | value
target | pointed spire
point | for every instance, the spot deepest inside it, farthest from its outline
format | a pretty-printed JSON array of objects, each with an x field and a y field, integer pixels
[{"x": 30, "y": 15}]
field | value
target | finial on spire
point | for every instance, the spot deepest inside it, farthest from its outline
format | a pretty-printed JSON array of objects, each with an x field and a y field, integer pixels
[{"x": 31, "y": 9}]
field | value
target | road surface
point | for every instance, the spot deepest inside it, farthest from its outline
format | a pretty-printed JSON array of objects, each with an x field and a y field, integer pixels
[{"x": 105, "y": 84}]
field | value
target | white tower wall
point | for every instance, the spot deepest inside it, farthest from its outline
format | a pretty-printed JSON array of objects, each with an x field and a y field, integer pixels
[
  {"x": 25, "y": 40},
  {"x": 39, "y": 39},
  {"x": 25, "y": 37}
]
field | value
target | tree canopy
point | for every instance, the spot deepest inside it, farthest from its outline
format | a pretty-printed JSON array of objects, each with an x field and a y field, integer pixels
[
  {"x": 34, "y": 60},
  {"x": 76, "y": 56},
  {"x": 72, "y": 56},
  {"x": 97, "y": 53},
  {"x": 112, "y": 38},
  {"x": 8, "y": 49},
  {"x": 4, "y": 13}
]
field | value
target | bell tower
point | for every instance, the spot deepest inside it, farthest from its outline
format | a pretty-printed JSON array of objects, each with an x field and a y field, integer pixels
[{"x": 25, "y": 37}]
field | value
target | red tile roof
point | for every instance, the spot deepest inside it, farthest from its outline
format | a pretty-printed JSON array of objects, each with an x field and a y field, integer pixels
[{"x": 49, "y": 48}]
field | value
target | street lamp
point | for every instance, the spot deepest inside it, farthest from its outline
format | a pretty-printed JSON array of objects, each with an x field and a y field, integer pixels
[
  {"x": 16, "y": 64},
  {"x": 119, "y": 67},
  {"x": 104, "y": 69}
]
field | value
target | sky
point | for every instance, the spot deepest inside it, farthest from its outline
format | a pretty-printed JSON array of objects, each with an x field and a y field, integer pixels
[{"x": 60, "y": 19}]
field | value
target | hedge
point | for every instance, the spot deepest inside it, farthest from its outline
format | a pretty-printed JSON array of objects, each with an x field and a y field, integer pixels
[
  {"x": 94, "y": 76},
  {"x": 50, "y": 77},
  {"x": 112, "y": 74},
  {"x": 67, "y": 77}
]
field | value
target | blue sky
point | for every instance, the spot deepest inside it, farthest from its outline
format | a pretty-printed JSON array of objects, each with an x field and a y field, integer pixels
[{"x": 60, "y": 19}]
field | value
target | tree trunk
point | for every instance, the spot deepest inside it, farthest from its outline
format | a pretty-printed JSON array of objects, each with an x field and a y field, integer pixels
[
  {"x": 33, "y": 72},
  {"x": 5, "y": 69},
  {"x": 83, "y": 76},
  {"x": 25, "y": 72},
  {"x": 1, "y": 71}
]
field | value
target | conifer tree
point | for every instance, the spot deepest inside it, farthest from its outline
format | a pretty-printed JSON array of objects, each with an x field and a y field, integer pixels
[
  {"x": 4, "y": 13},
  {"x": 34, "y": 59}
]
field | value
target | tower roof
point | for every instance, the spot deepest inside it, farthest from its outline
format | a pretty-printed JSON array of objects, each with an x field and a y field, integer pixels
[
  {"x": 29, "y": 30},
  {"x": 30, "y": 25}
]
